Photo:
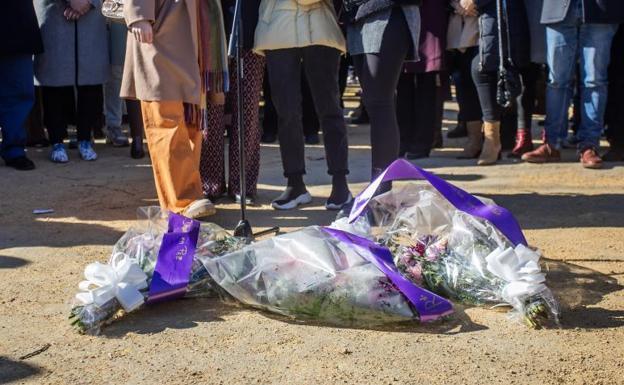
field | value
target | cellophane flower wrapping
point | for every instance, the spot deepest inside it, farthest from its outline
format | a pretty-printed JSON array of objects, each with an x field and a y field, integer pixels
[
  {"x": 454, "y": 254},
  {"x": 309, "y": 275},
  {"x": 141, "y": 245}
]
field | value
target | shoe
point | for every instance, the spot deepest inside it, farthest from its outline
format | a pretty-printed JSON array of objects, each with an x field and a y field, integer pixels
[
  {"x": 249, "y": 200},
  {"x": 338, "y": 206},
  {"x": 491, "y": 145},
  {"x": 615, "y": 154},
  {"x": 459, "y": 131},
  {"x": 85, "y": 148},
  {"x": 59, "y": 154},
  {"x": 268, "y": 137},
  {"x": 21, "y": 163},
  {"x": 312, "y": 139},
  {"x": 543, "y": 154},
  {"x": 288, "y": 200},
  {"x": 590, "y": 159},
  {"x": 524, "y": 144},
  {"x": 475, "y": 140},
  {"x": 200, "y": 208},
  {"x": 116, "y": 137},
  {"x": 136, "y": 149}
]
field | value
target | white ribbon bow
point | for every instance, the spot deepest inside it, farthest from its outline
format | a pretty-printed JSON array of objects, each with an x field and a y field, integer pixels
[
  {"x": 121, "y": 279},
  {"x": 520, "y": 268}
]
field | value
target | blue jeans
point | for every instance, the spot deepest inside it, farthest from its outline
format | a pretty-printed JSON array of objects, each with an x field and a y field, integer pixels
[
  {"x": 17, "y": 96},
  {"x": 569, "y": 43}
]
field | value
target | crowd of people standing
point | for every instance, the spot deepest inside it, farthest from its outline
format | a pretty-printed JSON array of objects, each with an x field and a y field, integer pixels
[{"x": 167, "y": 66}]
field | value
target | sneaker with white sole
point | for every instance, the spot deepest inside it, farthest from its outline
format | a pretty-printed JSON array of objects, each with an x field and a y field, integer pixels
[
  {"x": 199, "y": 209},
  {"x": 288, "y": 200},
  {"x": 59, "y": 154},
  {"x": 338, "y": 206},
  {"x": 85, "y": 148}
]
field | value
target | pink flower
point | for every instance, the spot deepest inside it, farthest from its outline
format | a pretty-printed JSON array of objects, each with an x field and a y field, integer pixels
[{"x": 416, "y": 273}]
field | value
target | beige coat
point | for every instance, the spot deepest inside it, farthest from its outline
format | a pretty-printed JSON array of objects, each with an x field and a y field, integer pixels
[
  {"x": 168, "y": 69},
  {"x": 296, "y": 24}
]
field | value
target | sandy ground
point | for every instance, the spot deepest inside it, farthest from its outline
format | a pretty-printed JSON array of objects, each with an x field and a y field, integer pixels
[{"x": 575, "y": 216}]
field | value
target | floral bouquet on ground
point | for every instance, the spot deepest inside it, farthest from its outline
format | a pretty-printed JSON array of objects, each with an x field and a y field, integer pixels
[
  {"x": 324, "y": 275},
  {"x": 154, "y": 261},
  {"x": 452, "y": 243}
]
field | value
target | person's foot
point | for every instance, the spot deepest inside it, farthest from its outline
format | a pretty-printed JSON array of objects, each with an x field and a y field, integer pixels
[
  {"x": 116, "y": 137},
  {"x": 200, "y": 208},
  {"x": 85, "y": 148},
  {"x": 335, "y": 203},
  {"x": 312, "y": 139},
  {"x": 21, "y": 163},
  {"x": 249, "y": 199},
  {"x": 543, "y": 154},
  {"x": 524, "y": 144},
  {"x": 59, "y": 154},
  {"x": 459, "y": 131},
  {"x": 136, "y": 149},
  {"x": 615, "y": 154},
  {"x": 268, "y": 137},
  {"x": 590, "y": 159},
  {"x": 291, "y": 198}
]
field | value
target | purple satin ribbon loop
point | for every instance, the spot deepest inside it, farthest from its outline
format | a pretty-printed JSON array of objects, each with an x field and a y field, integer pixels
[
  {"x": 401, "y": 169},
  {"x": 175, "y": 259},
  {"x": 430, "y": 306}
]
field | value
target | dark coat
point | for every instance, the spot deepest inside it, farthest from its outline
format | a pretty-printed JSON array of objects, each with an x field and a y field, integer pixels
[
  {"x": 19, "y": 28},
  {"x": 432, "y": 47},
  {"x": 250, "y": 19},
  {"x": 488, "y": 30},
  {"x": 594, "y": 11}
]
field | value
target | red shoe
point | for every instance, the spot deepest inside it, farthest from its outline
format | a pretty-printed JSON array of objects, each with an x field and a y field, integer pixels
[
  {"x": 591, "y": 159},
  {"x": 524, "y": 144},
  {"x": 543, "y": 154}
]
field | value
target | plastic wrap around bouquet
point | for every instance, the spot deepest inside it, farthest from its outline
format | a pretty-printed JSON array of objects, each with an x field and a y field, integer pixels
[
  {"x": 454, "y": 244},
  {"x": 157, "y": 260}
]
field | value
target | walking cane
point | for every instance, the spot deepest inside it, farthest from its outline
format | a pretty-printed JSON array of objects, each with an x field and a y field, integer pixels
[{"x": 235, "y": 50}]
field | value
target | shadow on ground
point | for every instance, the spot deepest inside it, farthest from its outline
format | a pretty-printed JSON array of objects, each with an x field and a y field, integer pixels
[
  {"x": 11, "y": 371},
  {"x": 579, "y": 290},
  {"x": 12, "y": 262}
]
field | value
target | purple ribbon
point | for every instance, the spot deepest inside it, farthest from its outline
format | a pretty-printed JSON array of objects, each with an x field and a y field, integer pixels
[
  {"x": 430, "y": 306},
  {"x": 175, "y": 259},
  {"x": 401, "y": 169}
]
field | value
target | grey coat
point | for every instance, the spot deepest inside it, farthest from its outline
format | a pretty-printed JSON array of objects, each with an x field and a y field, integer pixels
[{"x": 75, "y": 53}]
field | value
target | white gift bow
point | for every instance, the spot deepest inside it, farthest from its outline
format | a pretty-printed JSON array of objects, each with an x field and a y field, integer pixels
[
  {"x": 121, "y": 279},
  {"x": 520, "y": 268}
]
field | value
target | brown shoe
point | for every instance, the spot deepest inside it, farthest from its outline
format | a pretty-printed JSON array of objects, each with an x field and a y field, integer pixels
[
  {"x": 591, "y": 159},
  {"x": 543, "y": 154},
  {"x": 491, "y": 145},
  {"x": 475, "y": 140}
]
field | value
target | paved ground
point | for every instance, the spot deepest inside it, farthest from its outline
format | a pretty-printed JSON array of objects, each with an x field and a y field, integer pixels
[{"x": 575, "y": 216}]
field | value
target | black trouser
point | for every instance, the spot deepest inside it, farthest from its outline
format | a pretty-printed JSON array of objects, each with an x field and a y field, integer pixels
[
  {"x": 88, "y": 110},
  {"x": 614, "y": 117},
  {"x": 485, "y": 83},
  {"x": 379, "y": 75},
  {"x": 460, "y": 63},
  {"x": 525, "y": 103},
  {"x": 135, "y": 118},
  {"x": 418, "y": 97},
  {"x": 320, "y": 65}
]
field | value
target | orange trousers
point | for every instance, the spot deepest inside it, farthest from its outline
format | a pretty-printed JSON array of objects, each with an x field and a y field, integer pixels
[{"x": 175, "y": 150}]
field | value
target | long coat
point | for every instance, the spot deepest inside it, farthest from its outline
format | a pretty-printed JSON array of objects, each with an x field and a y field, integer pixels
[
  {"x": 75, "y": 52},
  {"x": 432, "y": 46},
  {"x": 167, "y": 69},
  {"x": 18, "y": 25}
]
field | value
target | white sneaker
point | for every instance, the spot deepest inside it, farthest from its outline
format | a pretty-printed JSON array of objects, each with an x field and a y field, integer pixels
[
  {"x": 287, "y": 201},
  {"x": 199, "y": 209},
  {"x": 338, "y": 206}
]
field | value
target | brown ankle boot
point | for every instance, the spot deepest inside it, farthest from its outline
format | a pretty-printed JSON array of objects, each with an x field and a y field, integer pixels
[
  {"x": 492, "y": 144},
  {"x": 475, "y": 140},
  {"x": 524, "y": 143}
]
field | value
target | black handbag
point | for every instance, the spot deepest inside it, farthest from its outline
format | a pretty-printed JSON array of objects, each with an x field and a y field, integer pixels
[{"x": 509, "y": 85}]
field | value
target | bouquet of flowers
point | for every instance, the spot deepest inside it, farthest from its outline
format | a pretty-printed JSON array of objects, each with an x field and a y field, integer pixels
[
  {"x": 453, "y": 244},
  {"x": 143, "y": 265},
  {"x": 324, "y": 275}
]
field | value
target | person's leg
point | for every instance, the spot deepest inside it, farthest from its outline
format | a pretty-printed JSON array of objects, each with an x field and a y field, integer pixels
[
  {"x": 212, "y": 161},
  {"x": 595, "y": 45},
  {"x": 35, "y": 132},
  {"x": 486, "y": 84},
  {"x": 321, "y": 68},
  {"x": 425, "y": 104},
  {"x": 254, "y": 73},
  {"x": 525, "y": 104},
  {"x": 113, "y": 108},
  {"x": 174, "y": 149},
  {"x": 405, "y": 99},
  {"x": 284, "y": 67},
  {"x": 468, "y": 101},
  {"x": 309, "y": 117},
  {"x": 55, "y": 109},
  {"x": 135, "y": 121},
  {"x": 562, "y": 49},
  {"x": 17, "y": 96},
  {"x": 89, "y": 109},
  {"x": 269, "y": 116},
  {"x": 379, "y": 76}
]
